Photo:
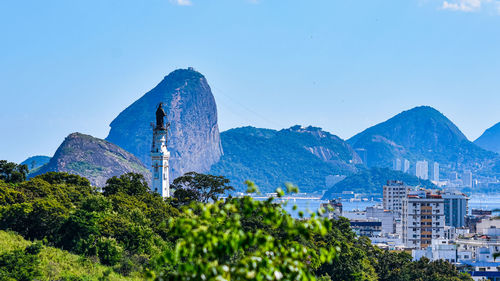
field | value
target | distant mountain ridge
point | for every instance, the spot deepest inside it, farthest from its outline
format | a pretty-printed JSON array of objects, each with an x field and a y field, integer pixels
[
  {"x": 371, "y": 181},
  {"x": 421, "y": 133},
  {"x": 35, "y": 162},
  {"x": 92, "y": 158},
  {"x": 490, "y": 139},
  {"x": 193, "y": 136},
  {"x": 303, "y": 156}
]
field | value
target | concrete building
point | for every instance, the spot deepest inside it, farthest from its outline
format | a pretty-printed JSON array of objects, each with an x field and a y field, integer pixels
[
  {"x": 422, "y": 219},
  {"x": 440, "y": 249},
  {"x": 406, "y": 166},
  {"x": 455, "y": 208},
  {"x": 368, "y": 228},
  {"x": 480, "y": 249},
  {"x": 467, "y": 178},
  {"x": 333, "y": 209},
  {"x": 386, "y": 217},
  {"x": 397, "y": 165},
  {"x": 435, "y": 172},
  {"x": 422, "y": 170},
  {"x": 393, "y": 194},
  {"x": 489, "y": 227}
]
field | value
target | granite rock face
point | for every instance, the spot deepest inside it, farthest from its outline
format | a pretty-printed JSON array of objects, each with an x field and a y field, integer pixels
[
  {"x": 193, "y": 136},
  {"x": 93, "y": 158}
]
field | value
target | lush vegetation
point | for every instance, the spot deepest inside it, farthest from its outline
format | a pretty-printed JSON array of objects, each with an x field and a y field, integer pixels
[
  {"x": 18, "y": 261},
  {"x": 127, "y": 233},
  {"x": 371, "y": 181},
  {"x": 273, "y": 157}
]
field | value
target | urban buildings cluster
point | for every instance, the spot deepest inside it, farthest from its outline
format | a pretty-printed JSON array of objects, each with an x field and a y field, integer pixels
[
  {"x": 430, "y": 223},
  {"x": 431, "y": 171}
]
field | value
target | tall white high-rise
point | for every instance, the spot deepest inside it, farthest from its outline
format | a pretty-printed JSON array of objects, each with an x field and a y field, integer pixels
[
  {"x": 160, "y": 155},
  {"x": 393, "y": 194},
  {"x": 422, "y": 170},
  {"x": 397, "y": 165},
  {"x": 406, "y": 165},
  {"x": 435, "y": 172},
  {"x": 467, "y": 178}
]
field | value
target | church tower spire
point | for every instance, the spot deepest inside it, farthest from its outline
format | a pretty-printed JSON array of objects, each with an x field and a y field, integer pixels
[{"x": 160, "y": 155}]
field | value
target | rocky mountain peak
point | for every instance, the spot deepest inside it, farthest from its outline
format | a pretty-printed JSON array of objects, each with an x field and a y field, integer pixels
[
  {"x": 93, "y": 158},
  {"x": 194, "y": 140},
  {"x": 421, "y": 133}
]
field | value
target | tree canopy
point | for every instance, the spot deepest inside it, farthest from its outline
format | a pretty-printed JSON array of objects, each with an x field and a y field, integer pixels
[{"x": 135, "y": 231}]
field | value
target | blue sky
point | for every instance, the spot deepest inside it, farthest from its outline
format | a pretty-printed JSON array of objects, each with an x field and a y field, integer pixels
[{"x": 69, "y": 66}]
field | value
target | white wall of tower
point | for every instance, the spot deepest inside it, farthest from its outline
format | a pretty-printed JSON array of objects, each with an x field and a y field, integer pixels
[{"x": 159, "y": 163}]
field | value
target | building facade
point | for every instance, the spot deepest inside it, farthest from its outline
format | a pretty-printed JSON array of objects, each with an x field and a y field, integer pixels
[
  {"x": 455, "y": 208},
  {"x": 435, "y": 172},
  {"x": 422, "y": 170},
  {"x": 397, "y": 165},
  {"x": 393, "y": 194},
  {"x": 422, "y": 219},
  {"x": 406, "y": 165},
  {"x": 386, "y": 217},
  {"x": 467, "y": 178}
]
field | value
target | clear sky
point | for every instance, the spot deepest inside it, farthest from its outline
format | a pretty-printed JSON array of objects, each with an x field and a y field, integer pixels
[{"x": 68, "y": 66}]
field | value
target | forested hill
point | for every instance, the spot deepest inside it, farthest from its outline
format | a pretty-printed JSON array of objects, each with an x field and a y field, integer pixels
[
  {"x": 303, "y": 156},
  {"x": 372, "y": 180},
  {"x": 423, "y": 133}
]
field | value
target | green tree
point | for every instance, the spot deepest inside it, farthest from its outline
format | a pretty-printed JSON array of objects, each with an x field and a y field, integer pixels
[
  {"x": 21, "y": 265},
  {"x": 38, "y": 219},
  {"x": 79, "y": 231},
  {"x": 12, "y": 172},
  {"x": 193, "y": 186},
  {"x": 108, "y": 251},
  {"x": 9, "y": 195},
  {"x": 64, "y": 178},
  {"x": 426, "y": 270},
  {"x": 130, "y": 183},
  {"x": 212, "y": 244},
  {"x": 389, "y": 265},
  {"x": 353, "y": 262}
]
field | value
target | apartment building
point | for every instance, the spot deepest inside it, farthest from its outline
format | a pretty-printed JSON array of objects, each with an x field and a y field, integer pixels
[
  {"x": 422, "y": 219},
  {"x": 393, "y": 194}
]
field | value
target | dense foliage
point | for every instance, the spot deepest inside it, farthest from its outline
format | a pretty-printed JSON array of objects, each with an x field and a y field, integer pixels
[
  {"x": 12, "y": 172},
  {"x": 198, "y": 187},
  {"x": 21, "y": 265},
  {"x": 370, "y": 181},
  {"x": 132, "y": 231}
]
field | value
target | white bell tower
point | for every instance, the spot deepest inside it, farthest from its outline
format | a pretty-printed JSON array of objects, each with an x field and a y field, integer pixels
[{"x": 160, "y": 155}]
